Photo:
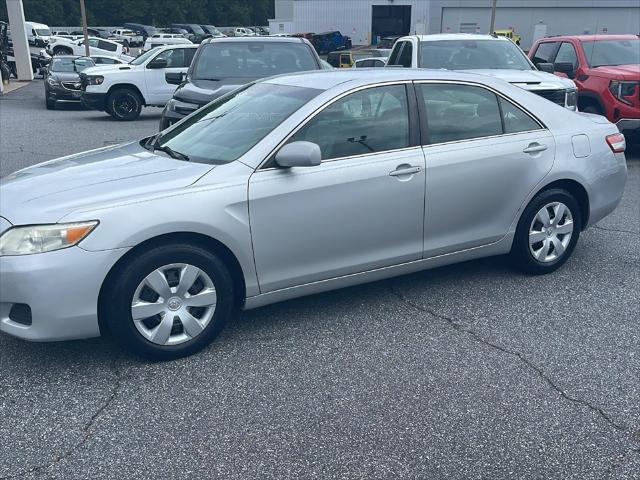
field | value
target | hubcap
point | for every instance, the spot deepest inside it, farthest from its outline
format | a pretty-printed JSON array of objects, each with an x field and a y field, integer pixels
[
  {"x": 173, "y": 304},
  {"x": 550, "y": 232}
]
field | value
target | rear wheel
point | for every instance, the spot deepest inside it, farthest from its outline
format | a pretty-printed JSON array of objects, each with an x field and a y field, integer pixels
[
  {"x": 124, "y": 104},
  {"x": 170, "y": 301},
  {"x": 547, "y": 232}
]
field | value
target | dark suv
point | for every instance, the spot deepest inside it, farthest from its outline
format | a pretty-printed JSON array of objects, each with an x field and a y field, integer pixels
[
  {"x": 196, "y": 33},
  {"x": 606, "y": 70},
  {"x": 224, "y": 64}
]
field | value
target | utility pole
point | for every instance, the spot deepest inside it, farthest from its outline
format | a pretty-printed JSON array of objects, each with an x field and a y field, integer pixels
[
  {"x": 85, "y": 31},
  {"x": 493, "y": 16}
]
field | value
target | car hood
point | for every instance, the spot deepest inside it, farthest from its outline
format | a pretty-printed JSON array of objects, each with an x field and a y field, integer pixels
[
  {"x": 617, "y": 72},
  {"x": 65, "y": 76},
  {"x": 99, "y": 178},
  {"x": 104, "y": 69},
  {"x": 202, "y": 92},
  {"x": 527, "y": 79}
]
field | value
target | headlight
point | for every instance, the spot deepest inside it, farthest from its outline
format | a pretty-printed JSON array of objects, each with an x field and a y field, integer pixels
[
  {"x": 43, "y": 238},
  {"x": 95, "y": 79},
  {"x": 623, "y": 91},
  {"x": 572, "y": 99},
  {"x": 52, "y": 81}
]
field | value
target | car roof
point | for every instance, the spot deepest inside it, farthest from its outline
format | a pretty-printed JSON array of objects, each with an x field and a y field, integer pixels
[
  {"x": 327, "y": 79},
  {"x": 456, "y": 36},
  {"x": 255, "y": 39},
  {"x": 591, "y": 38}
]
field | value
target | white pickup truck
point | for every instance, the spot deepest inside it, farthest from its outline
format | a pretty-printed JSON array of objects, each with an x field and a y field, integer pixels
[
  {"x": 127, "y": 37},
  {"x": 485, "y": 54},
  {"x": 97, "y": 46},
  {"x": 122, "y": 90}
]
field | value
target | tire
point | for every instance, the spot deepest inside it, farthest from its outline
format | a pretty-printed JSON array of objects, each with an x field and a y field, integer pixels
[
  {"x": 130, "y": 286},
  {"x": 51, "y": 104},
  {"x": 124, "y": 104},
  {"x": 542, "y": 256}
]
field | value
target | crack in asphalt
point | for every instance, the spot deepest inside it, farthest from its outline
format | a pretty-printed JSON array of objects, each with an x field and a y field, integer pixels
[
  {"x": 459, "y": 327},
  {"x": 598, "y": 227},
  {"x": 86, "y": 429}
]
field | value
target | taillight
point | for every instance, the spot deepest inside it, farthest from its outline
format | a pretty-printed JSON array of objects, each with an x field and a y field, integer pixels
[{"x": 616, "y": 142}]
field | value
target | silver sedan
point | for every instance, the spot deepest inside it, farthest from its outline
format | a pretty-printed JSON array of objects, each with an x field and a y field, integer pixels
[{"x": 291, "y": 186}]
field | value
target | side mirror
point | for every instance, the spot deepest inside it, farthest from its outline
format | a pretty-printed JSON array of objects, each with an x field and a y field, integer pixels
[
  {"x": 174, "y": 78},
  {"x": 545, "y": 67},
  {"x": 565, "y": 67},
  {"x": 299, "y": 154},
  {"x": 157, "y": 63}
]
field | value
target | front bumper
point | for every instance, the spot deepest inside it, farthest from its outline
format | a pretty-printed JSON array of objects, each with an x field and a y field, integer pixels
[
  {"x": 61, "y": 93},
  {"x": 169, "y": 117},
  {"x": 94, "y": 101},
  {"x": 61, "y": 288}
]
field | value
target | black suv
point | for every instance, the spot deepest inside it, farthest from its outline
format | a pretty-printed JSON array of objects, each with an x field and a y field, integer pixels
[
  {"x": 224, "y": 64},
  {"x": 196, "y": 33}
]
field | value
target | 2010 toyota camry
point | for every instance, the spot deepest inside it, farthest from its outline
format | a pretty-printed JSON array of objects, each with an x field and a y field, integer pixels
[{"x": 291, "y": 186}]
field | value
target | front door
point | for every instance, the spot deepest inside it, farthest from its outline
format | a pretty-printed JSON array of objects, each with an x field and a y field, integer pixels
[
  {"x": 480, "y": 167},
  {"x": 361, "y": 209},
  {"x": 159, "y": 90}
]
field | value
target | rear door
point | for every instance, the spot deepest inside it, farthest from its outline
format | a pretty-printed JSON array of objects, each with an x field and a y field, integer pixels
[
  {"x": 361, "y": 209},
  {"x": 484, "y": 155}
]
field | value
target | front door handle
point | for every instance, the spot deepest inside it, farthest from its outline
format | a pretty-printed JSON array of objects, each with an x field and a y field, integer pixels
[
  {"x": 405, "y": 170},
  {"x": 535, "y": 147}
]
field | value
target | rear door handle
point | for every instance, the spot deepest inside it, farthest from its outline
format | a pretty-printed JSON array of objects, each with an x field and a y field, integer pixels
[
  {"x": 408, "y": 170},
  {"x": 535, "y": 147}
]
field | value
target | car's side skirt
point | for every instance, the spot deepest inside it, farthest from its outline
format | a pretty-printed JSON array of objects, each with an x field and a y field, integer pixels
[{"x": 500, "y": 247}]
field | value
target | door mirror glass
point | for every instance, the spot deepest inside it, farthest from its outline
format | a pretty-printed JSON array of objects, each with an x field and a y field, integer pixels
[
  {"x": 545, "y": 67},
  {"x": 157, "y": 63},
  {"x": 299, "y": 154},
  {"x": 564, "y": 67},
  {"x": 174, "y": 78}
]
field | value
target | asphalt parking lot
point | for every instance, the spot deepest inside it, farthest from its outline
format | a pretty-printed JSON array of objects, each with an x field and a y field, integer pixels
[{"x": 467, "y": 371}]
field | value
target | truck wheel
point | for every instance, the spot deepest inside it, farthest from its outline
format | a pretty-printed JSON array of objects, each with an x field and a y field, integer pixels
[{"x": 124, "y": 104}]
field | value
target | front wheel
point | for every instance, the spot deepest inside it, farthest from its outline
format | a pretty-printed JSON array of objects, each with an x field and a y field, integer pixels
[
  {"x": 169, "y": 301},
  {"x": 124, "y": 104},
  {"x": 547, "y": 232}
]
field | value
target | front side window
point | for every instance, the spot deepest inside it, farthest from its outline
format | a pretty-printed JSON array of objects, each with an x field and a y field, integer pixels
[
  {"x": 227, "y": 128},
  {"x": 544, "y": 52},
  {"x": 472, "y": 54},
  {"x": 251, "y": 59},
  {"x": 460, "y": 112},
  {"x": 567, "y": 54},
  {"x": 175, "y": 58},
  {"x": 395, "y": 53},
  {"x": 406, "y": 55},
  {"x": 367, "y": 121}
]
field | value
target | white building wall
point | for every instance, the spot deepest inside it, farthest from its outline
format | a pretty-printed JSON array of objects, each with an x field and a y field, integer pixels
[{"x": 351, "y": 17}]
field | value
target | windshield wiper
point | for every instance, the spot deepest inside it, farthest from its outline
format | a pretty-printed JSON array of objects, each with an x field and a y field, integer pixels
[{"x": 152, "y": 144}]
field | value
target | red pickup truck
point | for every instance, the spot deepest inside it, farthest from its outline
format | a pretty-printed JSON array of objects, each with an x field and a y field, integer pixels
[{"x": 606, "y": 69}]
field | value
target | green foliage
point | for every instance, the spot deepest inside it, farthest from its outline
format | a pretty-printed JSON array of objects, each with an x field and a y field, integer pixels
[{"x": 154, "y": 12}]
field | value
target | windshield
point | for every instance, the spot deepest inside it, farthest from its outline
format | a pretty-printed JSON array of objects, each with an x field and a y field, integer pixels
[
  {"x": 143, "y": 58},
  {"x": 251, "y": 60},
  {"x": 43, "y": 32},
  {"x": 227, "y": 128},
  {"x": 70, "y": 65},
  {"x": 211, "y": 29},
  {"x": 602, "y": 53},
  {"x": 472, "y": 54},
  {"x": 196, "y": 29}
]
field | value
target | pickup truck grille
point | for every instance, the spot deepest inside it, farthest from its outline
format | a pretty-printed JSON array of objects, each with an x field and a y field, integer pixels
[{"x": 555, "y": 96}]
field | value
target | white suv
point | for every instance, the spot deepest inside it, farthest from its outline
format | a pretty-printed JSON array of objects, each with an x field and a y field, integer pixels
[
  {"x": 485, "y": 54},
  {"x": 122, "y": 90}
]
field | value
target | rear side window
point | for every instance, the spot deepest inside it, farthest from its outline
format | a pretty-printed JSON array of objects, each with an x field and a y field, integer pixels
[
  {"x": 544, "y": 52},
  {"x": 515, "y": 119},
  {"x": 460, "y": 112},
  {"x": 367, "y": 121},
  {"x": 406, "y": 55},
  {"x": 111, "y": 47}
]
